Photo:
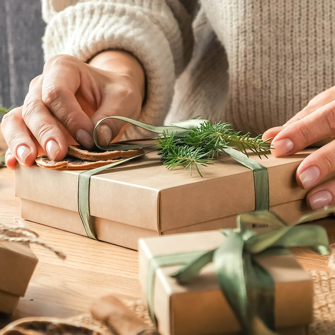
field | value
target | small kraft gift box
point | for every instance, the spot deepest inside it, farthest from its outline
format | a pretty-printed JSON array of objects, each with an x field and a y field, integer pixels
[
  {"x": 17, "y": 264},
  {"x": 142, "y": 198},
  {"x": 231, "y": 281}
]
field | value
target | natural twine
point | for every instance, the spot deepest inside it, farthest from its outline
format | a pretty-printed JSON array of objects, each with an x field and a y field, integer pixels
[{"x": 19, "y": 234}]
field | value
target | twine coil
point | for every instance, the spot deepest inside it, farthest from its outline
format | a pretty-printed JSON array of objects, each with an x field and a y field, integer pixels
[{"x": 21, "y": 234}]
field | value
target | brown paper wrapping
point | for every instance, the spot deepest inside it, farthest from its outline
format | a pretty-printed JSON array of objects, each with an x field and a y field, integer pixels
[
  {"x": 200, "y": 308},
  {"x": 144, "y": 199},
  {"x": 17, "y": 264}
]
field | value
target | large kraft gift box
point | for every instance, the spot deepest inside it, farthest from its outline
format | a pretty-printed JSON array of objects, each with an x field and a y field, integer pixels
[
  {"x": 200, "y": 308},
  {"x": 17, "y": 264},
  {"x": 143, "y": 199}
]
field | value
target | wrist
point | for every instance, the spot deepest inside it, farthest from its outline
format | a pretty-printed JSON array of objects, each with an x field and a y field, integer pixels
[{"x": 121, "y": 62}]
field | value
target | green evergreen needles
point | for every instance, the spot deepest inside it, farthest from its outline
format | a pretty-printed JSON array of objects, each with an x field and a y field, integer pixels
[
  {"x": 4, "y": 110},
  {"x": 200, "y": 145},
  {"x": 194, "y": 142}
]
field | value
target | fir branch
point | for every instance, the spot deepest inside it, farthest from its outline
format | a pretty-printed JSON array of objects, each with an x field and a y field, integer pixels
[
  {"x": 204, "y": 143},
  {"x": 216, "y": 136},
  {"x": 245, "y": 142},
  {"x": 176, "y": 153},
  {"x": 4, "y": 110}
]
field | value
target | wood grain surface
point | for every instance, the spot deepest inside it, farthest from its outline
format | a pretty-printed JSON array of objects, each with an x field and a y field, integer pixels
[{"x": 92, "y": 269}]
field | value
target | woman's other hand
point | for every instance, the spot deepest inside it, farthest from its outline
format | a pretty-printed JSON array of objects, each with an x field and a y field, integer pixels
[
  {"x": 67, "y": 100},
  {"x": 314, "y": 123}
]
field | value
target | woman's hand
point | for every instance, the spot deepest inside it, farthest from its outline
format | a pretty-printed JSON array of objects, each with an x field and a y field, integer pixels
[
  {"x": 314, "y": 123},
  {"x": 67, "y": 100}
]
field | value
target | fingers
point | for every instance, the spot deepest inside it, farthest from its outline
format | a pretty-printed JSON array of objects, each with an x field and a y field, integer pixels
[
  {"x": 10, "y": 160},
  {"x": 42, "y": 124},
  {"x": 272, "y": 133},
  {"x": 61, "y": 79},
  {"x": 123, "y": 100},
  {"x": 316, "y": 166},
  {"x": 312, "y": 171},
  {"x": 317, "y": 102},
  {"x": 18, "y": 138},
  {"x": 322, "y": 196},
  {"x": 310, "y": 129}
]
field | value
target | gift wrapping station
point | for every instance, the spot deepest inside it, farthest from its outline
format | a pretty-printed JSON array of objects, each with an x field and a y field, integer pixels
[
  {"x": 224, "y": 263},
  {"x": 144, "y": 199}
]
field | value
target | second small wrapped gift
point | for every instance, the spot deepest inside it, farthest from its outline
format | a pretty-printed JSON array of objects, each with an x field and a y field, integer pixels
[
  {"x": 17, "y": 264},
  {"x": 247, "y": 282}
]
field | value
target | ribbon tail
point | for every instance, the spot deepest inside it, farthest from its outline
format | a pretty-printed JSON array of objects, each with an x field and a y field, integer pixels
[
  {"x": 260, "y": 219},
  {"x": 261, "y": 294},
  {"x": 228, "y": 263},
  {"x": 294, "y": 236},
  {"x": 193, "y": 268},
  {"x": 316, "y": 215}
]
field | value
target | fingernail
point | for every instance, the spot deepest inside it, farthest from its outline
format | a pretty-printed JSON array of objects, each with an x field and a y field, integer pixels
[
  {"x": 52, "y": 148},
  {"x": 84, "y": 138},
  {"x": 22, "y": 153},
  {"x": 320, "y": 199},
  {"x": 283, "y": 147},
  {"x": 309, "y": 177},
  {"x": 105, "y": 134}
]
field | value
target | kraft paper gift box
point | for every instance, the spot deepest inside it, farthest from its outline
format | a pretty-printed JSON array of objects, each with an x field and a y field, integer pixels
[
  {"x": 17, "y": 264},
  {"x": 200, "y": 308},
  {"x": 143, "y": 199}
]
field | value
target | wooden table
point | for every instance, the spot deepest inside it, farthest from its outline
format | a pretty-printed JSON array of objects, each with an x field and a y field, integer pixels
[
  {"x": 92, "y": 269},
  {"x": 66, "y": 288}
]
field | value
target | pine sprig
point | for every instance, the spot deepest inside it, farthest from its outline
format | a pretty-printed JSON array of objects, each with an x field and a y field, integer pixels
[
  {"x": 4, "y": 110},
  {"x": 176, "y": 153},
  {"x": 245, "y": 142},
  {"x": 204, "y": 143}
]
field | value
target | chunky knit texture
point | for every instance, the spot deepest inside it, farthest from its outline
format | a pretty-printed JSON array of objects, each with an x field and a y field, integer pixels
[{"x": 254, "y": 63}]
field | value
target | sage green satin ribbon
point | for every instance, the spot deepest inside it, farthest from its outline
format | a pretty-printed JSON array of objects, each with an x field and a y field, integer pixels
[
  {"x": 261, "y": 177},
  {"x": 247, "y": 286},
  {"x": 260, "y": 173}
]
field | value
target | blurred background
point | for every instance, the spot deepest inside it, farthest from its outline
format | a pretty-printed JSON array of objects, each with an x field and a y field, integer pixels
[{"x": 21, "y": 56}]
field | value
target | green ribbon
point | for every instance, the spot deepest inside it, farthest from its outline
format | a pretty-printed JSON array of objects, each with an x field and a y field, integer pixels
[
  {"x": 261, "y": 177},
  {"x": 247, "y": 286},
  {"x": 260, "y": 173}
]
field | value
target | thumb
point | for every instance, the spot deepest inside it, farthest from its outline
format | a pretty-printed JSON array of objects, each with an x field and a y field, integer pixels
[{"x": 109, "y": 129}]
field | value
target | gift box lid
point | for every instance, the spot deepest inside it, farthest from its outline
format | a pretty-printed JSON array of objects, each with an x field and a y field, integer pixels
[
  {"x": 17, "y": 264},
  {"x": 199, "y": 307},
  {"x": 145, "y": 194}
]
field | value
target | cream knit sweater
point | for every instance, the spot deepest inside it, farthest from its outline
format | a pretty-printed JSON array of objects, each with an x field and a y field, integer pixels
[{"x": 252, "y": 63}]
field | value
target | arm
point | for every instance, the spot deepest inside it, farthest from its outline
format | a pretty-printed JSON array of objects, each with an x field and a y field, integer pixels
[
  {"x": 158, "y": 33},
  {"x": 97, "y": 56}
]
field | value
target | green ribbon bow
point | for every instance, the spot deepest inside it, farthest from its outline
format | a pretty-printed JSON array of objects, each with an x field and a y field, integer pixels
[
  {"x": 247, "y": 286},
  {"x": 261, "y": 179}
]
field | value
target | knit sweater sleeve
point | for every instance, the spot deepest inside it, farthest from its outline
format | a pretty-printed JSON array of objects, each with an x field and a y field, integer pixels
[{"x": 158, "y": 33}]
